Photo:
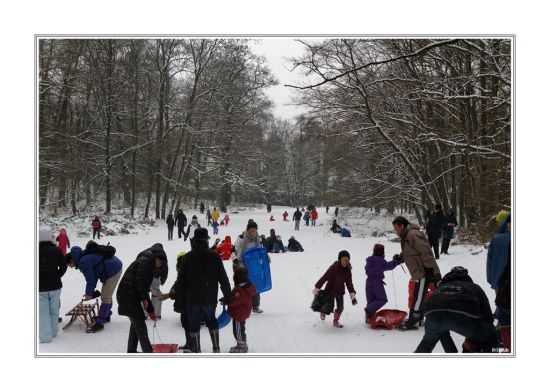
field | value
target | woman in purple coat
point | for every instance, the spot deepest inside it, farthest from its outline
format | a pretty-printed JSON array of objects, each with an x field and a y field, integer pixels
[
  {"x": 375, "y": 267},
  {"x": 337, "y": 277}
]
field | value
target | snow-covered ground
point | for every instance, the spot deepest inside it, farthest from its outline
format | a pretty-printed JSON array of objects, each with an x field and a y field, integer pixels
[{"x": 288, "y": 324}]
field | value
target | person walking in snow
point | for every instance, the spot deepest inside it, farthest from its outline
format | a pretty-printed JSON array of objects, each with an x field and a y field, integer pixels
[
  {"x": 215, "y": 214},
  {"x": 327, "y": 208},
  {"x": 314, "y": 216},
  {"x": 306, "y": 217},
  {"x": 247, "y": 240},
  {"x": 181, "y": 221},
  {"x": 63, "y": 241},
  {"x": 499, "y": 276},
  {"x": 133, "y": 299},
  {"x": 51, "y": 268},
  {"x": 337, "y": 277},
  {"x": 226, "y": 220},
  {"x": 194, "y": 225},
  {"x": 208, "y": 217},
  {"x": 97, "y": 262},
  {"x": 96, "y": 227},
  {"x": 434, "y": 226},
  {"x": 449, "y": 224},
  {"x": 461, "y": 306},
  {"x": 170, "y": 223},
  {"x": 240, "y": 307},
  {"x": 296, "y": 218},
  {"x": 159, "y": 278},
  {"x": 215, "y": 226},
  {"x": 285, "y": 216},
  {"x": 417, "y": 256},
  {"x": 336, "y": 212},
  {"x": 201, "y": 207},
  {"x": 374, "y": 286},
  {"x": 200, "y": 273}
]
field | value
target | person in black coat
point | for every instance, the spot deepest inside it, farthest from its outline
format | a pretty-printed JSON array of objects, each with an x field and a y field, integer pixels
[
  {"x": 181, "y": 221},
  {"x": 434, "y": 225},
  {"x": 51, "y": 267},
  {"x": 200, "y": 273},
  {"x": 296, "y": 218},
  {"x": 170, "y": 223},
  {"x": 294, "y": 245},
  {"x": 449, "y": 224},
  {"x": 461, "y": 306},
  {"x": 336, "y": 212},
  {"x": 133, "y": 298}
]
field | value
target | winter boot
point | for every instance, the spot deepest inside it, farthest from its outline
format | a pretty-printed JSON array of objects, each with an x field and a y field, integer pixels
[
  {"x": 195, "y": 342},
  {"x": 95, "y": 327},
  {"x": 215, "y": 336},
  {"x": 506, "y": 338},
  {"x": 257, "y": 310},
  {"x": 410, "y": 323},
  {"x": 241, "y": 347},
  {"x": 335, "y": 321},
  {"x": 369, "y": 318},
  {"x": 104, "y": 314},
  {"x": 323, "y": 316}
]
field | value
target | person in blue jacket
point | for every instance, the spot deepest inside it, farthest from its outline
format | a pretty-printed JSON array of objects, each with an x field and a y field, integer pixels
[
  {"x": 94, "y": 266},
  {"x": 497, "y": 256}
]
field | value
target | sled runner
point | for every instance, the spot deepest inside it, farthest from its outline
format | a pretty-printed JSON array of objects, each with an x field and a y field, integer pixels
[
  {"x": 86, "y": 312},
  {"x": 259, "y": 272},
  {"x": 387, "y": 318}
]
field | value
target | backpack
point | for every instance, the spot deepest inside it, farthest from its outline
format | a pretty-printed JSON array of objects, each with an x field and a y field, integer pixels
[{"x": 107, "y": 251}]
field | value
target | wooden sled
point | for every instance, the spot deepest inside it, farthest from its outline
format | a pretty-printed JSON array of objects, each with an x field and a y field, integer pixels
[{"x": 85, "y": 312}]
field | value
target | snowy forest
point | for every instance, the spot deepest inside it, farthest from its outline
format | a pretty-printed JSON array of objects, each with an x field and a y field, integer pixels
[{"x": 395, "y": 124}]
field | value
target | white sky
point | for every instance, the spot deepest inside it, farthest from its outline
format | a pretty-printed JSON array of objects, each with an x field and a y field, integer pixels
[{"x": 276, "y": 51}]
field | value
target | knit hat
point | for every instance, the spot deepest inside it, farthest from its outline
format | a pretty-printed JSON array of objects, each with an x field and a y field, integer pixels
[
  {"x": 378, "y": 250},
  {"x": 343, "y": 253},
  {"x": 194, "y": 217},
  {"x": 45, "y": 234},
  {"x": 251, "y": 225},
  {"x": 240, "y": 275},
  {"x": 501, "y": 215},
  {"x": 201, "y": 235}
]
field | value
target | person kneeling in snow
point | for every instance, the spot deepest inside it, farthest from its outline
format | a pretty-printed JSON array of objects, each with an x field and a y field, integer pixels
[
  {"x": 294, "y": 245},
  {"x": 133, "y": 298},
  {"x": 374, "y": 287},
  {"x": 461, "y": 306},
  {"x": 95, "y": 264},
  {"x": 240, "y": 307},
  {"x": 338, "y": 275}
]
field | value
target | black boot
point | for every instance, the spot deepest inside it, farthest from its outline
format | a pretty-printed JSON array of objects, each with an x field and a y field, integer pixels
[
  {"x": 195, "y": 342},
  {"x": 215, "y": 336},
  {"x": 410, "y": 324}
]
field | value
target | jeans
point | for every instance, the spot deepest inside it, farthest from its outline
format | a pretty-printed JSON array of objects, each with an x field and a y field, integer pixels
[
  {"x": 48, "y": 313},
  {"x": 198, "y": 313},
  {"x": 256, "y": 301},
  {"x": 181, "y": 230},
  {"x": 434, "y": 243},
  {"x": 138, "y": 332},
  {"x": 439, "y": 324},
  {"x": 171, "y": 232},
  {"x": 96, "y": 231}
]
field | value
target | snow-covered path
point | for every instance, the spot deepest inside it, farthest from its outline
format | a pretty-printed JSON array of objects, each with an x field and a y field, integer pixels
[{"x": 287, "y": 325}]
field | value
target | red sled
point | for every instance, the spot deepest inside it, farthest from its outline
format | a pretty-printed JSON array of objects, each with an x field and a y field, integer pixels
[
  {"x": 387, "y": 318},
  {"x": 165, "y": 348}
]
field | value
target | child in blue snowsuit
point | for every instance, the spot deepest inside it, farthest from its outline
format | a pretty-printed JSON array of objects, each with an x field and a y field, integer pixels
[{"x": 375, "y": 267}]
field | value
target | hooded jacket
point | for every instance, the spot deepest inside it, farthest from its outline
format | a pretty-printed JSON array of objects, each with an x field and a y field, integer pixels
[
  {"x": 497, "y": 255},
  {"x": 63, "y": 241},
  {"x": 457, "y": 293},
  {"x": 181, "y": 220},
  {"x": 417, "y": 253},
  {"x": 158, "y": 251},
  {"x": 297, "y": 215},
  {"x": 170, "y": 221},
  {"x": 336, "y": 277},
  {"x": 225, "y": 248},
  {"x": 240, "y": 306},
  {"x": 134, "y": 286},
  {"x": 94, "y": 267}
]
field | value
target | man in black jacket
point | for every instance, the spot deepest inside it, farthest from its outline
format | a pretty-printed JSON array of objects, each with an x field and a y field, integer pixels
[
  {"x": 181, "y": 221},
  {"x": 200, "y": 273},
  {"x": 133, "y": 298},
  {"x": 51, "y": 267},
  {"x": 296, "y": 218},
  {"x": 461, "y": 306},
  {"x": 434, "y": 226}
]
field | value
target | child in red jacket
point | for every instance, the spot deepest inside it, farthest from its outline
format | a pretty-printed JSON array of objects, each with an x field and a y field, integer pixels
[
  {"x": 63, "y": 241},
  {"x": 225, "y": 248},
  {"x": 240, "y": 307}
]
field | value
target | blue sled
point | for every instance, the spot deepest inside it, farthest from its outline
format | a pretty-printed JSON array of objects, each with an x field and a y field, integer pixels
[
  {"x": 259, "y": 272},
  {"x": 224, "y": 318}
]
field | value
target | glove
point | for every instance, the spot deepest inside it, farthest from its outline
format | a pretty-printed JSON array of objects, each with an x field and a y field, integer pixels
[
  {"x": 87, "y": 297},
  {"x": 148, "y": 306},
  {"x": 153, "y": 316},
  {"x": 353, "y": 300},
  {"x": 398, "y": 257},
  {"x": 316, "y": 291}
]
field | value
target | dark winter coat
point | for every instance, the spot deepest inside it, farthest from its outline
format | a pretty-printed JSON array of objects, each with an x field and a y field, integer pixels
[
  {"x": 158, "y": 251},
  {"x": 504, "y": 291},
  {"x": 96, "y": 224},
  {"x": 497, "y": 255},
  {"x": 275, "y": 245},
  {"x": 240, "y": 306},
  {"x": 51, "y": 267},
  {"x": 94, "y": 267},
  {"x": 336, "y": 277},
  {"x": 294, "y": 246},
  {"x": 457, "y": 293},
  {"x": 181, "y": 220},
  {"x": 449, "y": 231},
  {"x": 170, "y": 221},
  {"x": 200, "y": 273},
  {"x": 297, "y": 215},
  {"x": 134, "y": 286},
  {"x": 417, "y": 254},
  {"x": 435, "y": 224}
]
